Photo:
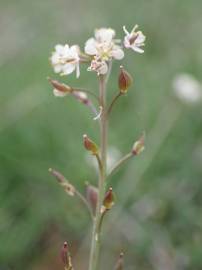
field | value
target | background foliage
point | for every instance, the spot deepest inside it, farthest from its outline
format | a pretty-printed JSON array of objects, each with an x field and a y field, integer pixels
[{"x": 157, "y": 219}]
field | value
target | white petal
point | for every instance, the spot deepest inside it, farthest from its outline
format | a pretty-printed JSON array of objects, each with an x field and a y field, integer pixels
[
  {"x": 90, "y": 46},
  {"x": 117, "y": 53},
  {"x": 126, "y": 43},
  {"x": 103, "y": 69},
  {"x": 104, "y": 35},
  {"x": 77, "y": 70},
  {"x": 58, "y": 93},
  {"x": 59, "y": 48},
  {"x": 57, "y": 68},
  {"x": 134, "y": 28},
  {"x": 137, "y": 49},
  {"x": 68, "y": 68},
  {"x": 55, "y": 58},
  {"x": 140, "y": 38},
  {"x": 75, "y": 50},
  {"x": 66, "y": 51},
  {"x": 125, "y": 30}
]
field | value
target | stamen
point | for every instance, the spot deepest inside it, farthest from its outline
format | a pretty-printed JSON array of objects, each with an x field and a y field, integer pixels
[
  {"x": 99, "y": 114},
  {"x": 133, "y": 38},
  {"x": 134, "y": 28}
]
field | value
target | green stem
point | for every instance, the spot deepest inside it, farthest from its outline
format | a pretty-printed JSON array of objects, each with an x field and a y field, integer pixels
[
  {"x": 95, "y": 244},
  {"x": 85, "y": 202},
  {"x": 120, "y": 162},
  {"x": 113, "y": 102}
]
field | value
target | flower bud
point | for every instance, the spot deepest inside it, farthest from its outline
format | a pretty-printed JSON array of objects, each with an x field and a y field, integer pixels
[
  {"x": 91, "y": 196},
  {"x": 125, "y": 80},
  {"x": 108, "y": 199},
  {"x": 68, "y": 188},
  {"x": 90, "y": 145},
  {"x": 119, "y": 264},
  {"x": 138, "y": 146},
  {"x": 60, "y": 89},
  {"x": 66, "y": 258},
  {"x": 64, "y": 254}
]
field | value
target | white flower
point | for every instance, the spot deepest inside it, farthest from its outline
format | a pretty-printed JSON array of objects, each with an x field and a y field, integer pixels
[
  {"x": 104, "y": 48},
  {"x": 65, "y": 59},
  {"x": 187, "y": 88},
  {"x": 104, "y": 34},
  {"x": 134, "y": 40},
  {"x": 99, "y": 66}
]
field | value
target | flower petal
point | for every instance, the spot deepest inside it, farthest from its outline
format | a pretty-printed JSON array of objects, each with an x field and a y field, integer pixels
[
  {"x": 104, "y": 35},
  {"x": 140, "y": 38},
  {"x": 57, "y": 68},
  {"x": 103, "y": 69},
  {"x": 90, "y": 47},
  {"x": 59, "y": 48},
  {"x": 68, "y": 68},
  {"x": 137, "y": 49},
  {"x": 125, "y": 30},
  {"x": 77, "y": 70},
  {"x": 55, "y": 58},
  {"x": 117, "y": 53}
]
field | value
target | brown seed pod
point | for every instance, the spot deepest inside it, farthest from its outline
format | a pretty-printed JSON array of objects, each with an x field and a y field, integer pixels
[{"x": 125, "y": 80}]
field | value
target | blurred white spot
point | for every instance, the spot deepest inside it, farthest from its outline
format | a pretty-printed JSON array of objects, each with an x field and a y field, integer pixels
[
  {"x": 113, "y": 156},
  {"x": 187, "y": 88},
  {"x": 99, "y": 114},
  {"x": 58, "y": 93}
]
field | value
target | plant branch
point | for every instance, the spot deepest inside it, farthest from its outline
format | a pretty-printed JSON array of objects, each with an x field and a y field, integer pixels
[
  {"x": 99, "y": 162},
  {"x": 120, "y": 162},
  {"x": 87, "y": 92},
  {"x": 113, "y": 102},
  {"x": 70, "y": 189},
  {"x": 85, "y": 202}
]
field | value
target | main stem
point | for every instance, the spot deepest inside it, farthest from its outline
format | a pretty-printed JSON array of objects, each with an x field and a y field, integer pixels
[{"x": 95, "y": 244}]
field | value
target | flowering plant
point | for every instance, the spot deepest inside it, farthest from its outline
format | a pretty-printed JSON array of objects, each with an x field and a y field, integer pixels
[{"x": 99, "y": 53}]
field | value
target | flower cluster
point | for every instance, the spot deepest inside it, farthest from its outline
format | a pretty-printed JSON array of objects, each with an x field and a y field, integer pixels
[{"x": 99, "y": 50}]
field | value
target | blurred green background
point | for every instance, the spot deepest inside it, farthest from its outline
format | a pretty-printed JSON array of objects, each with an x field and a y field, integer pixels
[{"x": 157, "y": 219}]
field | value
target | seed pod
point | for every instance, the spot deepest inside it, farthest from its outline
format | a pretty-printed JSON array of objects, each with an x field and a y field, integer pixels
[
  {"x": 138, "y": 146},
  {"x": 91, "y": 196},
  {"x": 124, "y": 81},
  {"x": 60, "y": 89},
  {"x": 90, "y": 145},
  {"x": 82, "y": 97},
  {"x": 119, "y": 264},
  {"x": 108, "y": 199},
  {"x": 64, "y": 254},
  {"x": 65, "y": 257},
  {"x": 68, "y": 188}
]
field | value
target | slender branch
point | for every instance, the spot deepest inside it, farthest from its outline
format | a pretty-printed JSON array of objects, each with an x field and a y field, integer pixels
[
  {"x": 70, "y": 189},
  {"x": 120, "y": 162},
  {"x": 113, "y": 102},
  {"x": 87, "y": 92},
  {"x": 85, "y": 202},
  {"x": 99, "y": 162},
  {"x": 101, "y": 220}
]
